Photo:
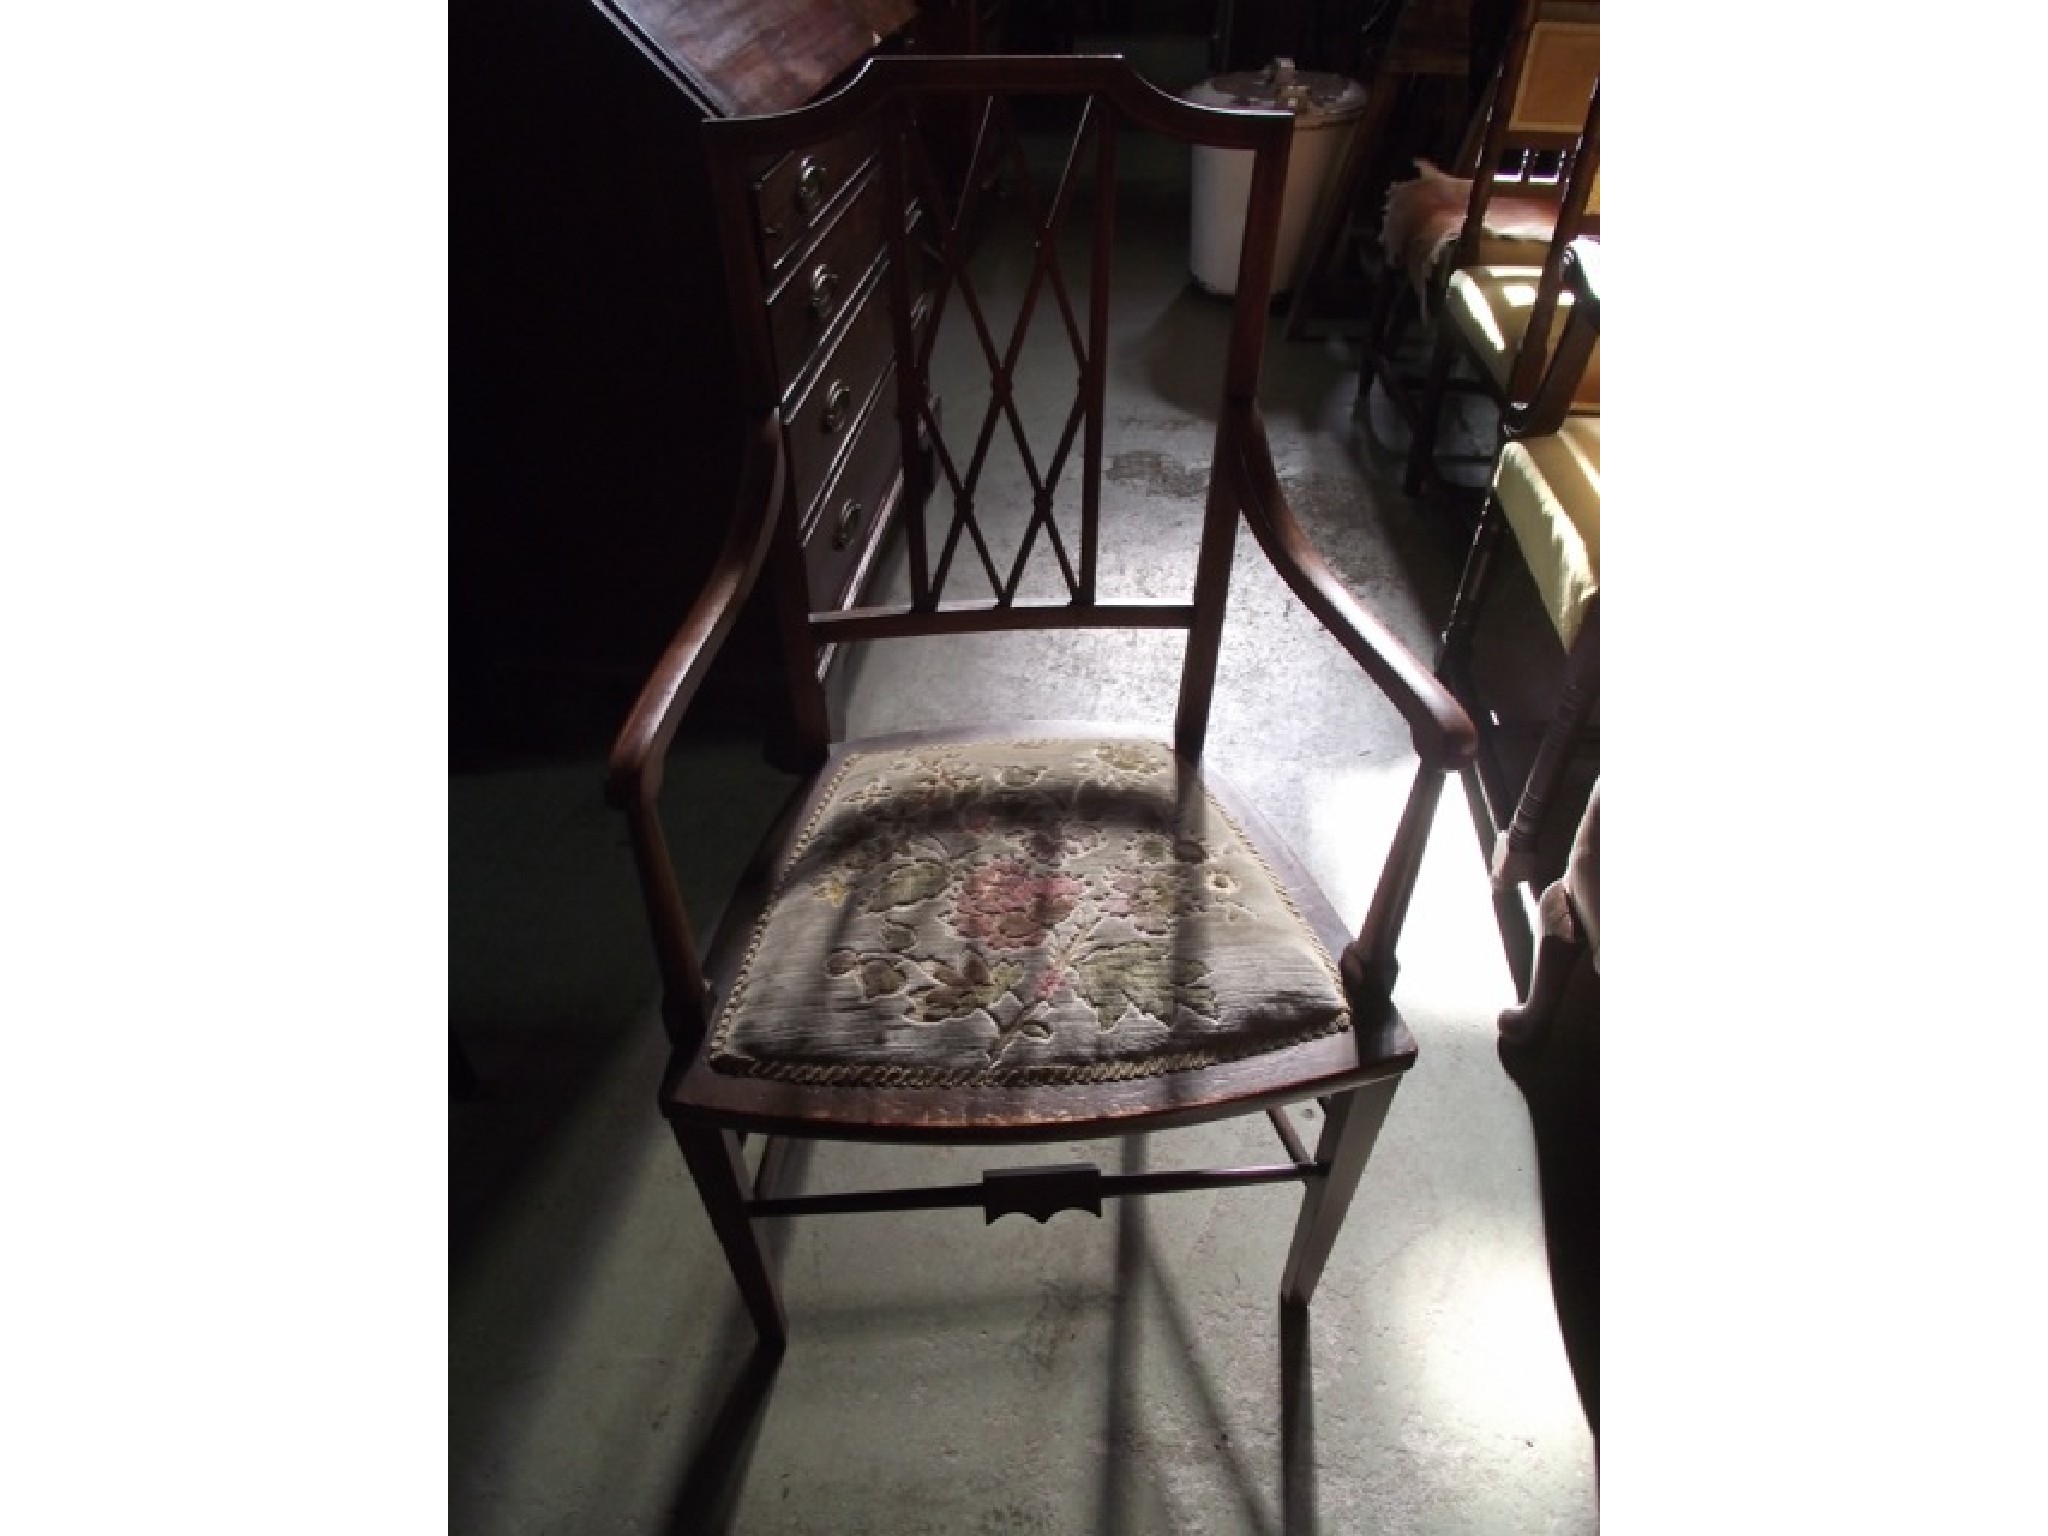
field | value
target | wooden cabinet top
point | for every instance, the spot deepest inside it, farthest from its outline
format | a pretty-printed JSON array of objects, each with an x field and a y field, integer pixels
[{"x": 741, "y": 57}]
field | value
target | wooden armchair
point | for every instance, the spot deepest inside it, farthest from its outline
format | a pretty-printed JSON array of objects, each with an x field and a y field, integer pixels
[
  {"x": 1018, "y": 932},
  {"x": 1491, "y": 278}
]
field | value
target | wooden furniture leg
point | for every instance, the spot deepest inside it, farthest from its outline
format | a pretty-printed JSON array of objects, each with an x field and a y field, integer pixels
[
  {"x": 1352, "y": 1125},
  {"x": 1421, "y": 464},
  {"x": 721, "y": 1174},
  {"x": 1560, "y": 940},
  {"x": 1454, "y": 646},
  {"x": 1514, "y": 853}
]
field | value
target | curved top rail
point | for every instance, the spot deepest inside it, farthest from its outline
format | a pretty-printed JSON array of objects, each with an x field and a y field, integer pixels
[{"x": 1109, "y": 76}]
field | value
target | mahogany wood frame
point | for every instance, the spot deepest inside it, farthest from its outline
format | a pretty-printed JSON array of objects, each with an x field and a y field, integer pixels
[{"x": 1353, "y": 1074}]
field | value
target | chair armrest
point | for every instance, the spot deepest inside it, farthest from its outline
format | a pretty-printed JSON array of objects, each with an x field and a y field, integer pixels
[
  {"x": 1442, "y": 731},
  {"x": 634, "y": 772}
]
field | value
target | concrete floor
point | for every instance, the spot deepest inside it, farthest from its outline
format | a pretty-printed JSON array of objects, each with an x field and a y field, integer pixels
[{"x": 1130, "y": 1374}]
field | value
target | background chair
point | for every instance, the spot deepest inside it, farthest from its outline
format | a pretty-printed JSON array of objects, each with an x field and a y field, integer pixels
[
  {"x": 1016, "y": 932},
  {"x": 1419, "y": 63},
  {"x": 1483, "y": 247},
  {"x": 1546, "y": 493}
]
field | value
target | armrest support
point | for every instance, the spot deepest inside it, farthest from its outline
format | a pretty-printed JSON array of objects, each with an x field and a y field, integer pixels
[
  {"x": 1442, "y": 731},
  {"x": 634, "y": 772},
  {"x": 637, "y": 757}
]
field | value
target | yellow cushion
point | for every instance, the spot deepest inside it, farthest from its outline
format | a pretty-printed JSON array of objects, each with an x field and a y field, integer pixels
[
  {"x": 1491, "y": 304},
  {"x": 1549, "y": 489}
]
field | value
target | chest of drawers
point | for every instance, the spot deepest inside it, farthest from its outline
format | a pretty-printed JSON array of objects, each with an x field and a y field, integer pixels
[{"x": 817, "y": 246}]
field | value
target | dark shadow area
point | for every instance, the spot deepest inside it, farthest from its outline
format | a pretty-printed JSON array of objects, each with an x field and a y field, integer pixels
[
  {"x": 552, "y": 978},
  {"x": 462, "y": 1079},
  {"x": 1181, "y": 353},
  {"x": 1118, "y": 1429},
  {"x": 549, "y": 979},
  {"x": 1560, "y": 1080},
  {"x": 556, "y": 1048},
  {"x": 1298, "y": 1508},
  {"x": 1185, "y": 1339},
  {"x": 1116, "y": 1508},
  {"x": 520, "y": 1102},
  {"x": 710, "y": 1490}
]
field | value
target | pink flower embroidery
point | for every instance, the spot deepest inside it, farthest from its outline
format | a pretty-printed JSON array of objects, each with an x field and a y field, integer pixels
[{"x": 1009, "y": 905}]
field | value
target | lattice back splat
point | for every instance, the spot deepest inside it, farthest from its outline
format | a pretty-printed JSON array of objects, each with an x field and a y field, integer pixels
[{"x": 945, "y": 243}]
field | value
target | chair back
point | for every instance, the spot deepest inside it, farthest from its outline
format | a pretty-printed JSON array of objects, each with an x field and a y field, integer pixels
[
  {"x": 999, "y": 175},
  {"x": 1528, "y": 131},
  {"x": 1539, "y": 148}
]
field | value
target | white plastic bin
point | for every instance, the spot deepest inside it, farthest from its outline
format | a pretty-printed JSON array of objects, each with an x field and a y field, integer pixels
[{"x": 1326, "y": 110}]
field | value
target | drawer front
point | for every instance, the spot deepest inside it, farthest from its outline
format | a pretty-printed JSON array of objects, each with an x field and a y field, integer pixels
[
  {"x": 820, "y": 284},
  {"x": 792, "y": 197},
  {"x": 844, "y": 519},
  {"x": 823, "y": 421}
]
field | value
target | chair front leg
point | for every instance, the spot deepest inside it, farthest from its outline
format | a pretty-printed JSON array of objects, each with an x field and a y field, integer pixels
[
  {"x": 1352, "y": 1125},
  {"x": 720, "y": 1170}
]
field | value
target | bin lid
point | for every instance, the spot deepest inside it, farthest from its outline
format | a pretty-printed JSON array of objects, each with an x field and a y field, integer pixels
[{"x": 1313, "y": 97}]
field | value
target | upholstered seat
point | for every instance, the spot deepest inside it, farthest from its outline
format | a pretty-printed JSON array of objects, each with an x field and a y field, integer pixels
[
  {"x": 1549, "y": 489},
  {"x": 1005, "y": 913},
  {"x": 1490, "y": 306}
]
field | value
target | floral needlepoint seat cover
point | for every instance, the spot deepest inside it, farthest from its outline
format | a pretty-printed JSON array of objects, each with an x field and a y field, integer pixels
[{"x": 1021, "y": 912}]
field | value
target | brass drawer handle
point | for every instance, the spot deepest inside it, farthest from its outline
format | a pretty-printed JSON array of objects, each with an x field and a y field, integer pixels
[
  {"x": 848, "y": 523},
  {"x": 837, "y": 399},
  {"x": 810, "y": 188},
  {"x": 824, "y": 290}
]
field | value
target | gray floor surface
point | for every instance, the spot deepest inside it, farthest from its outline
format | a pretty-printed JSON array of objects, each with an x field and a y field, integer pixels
[{"x": 1124, "y": 1375}]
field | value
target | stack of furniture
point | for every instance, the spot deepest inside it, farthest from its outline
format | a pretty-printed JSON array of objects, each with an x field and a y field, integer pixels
[
  {"x": 1544, "y": 503},
  {"x": 1483, "y": 246}
]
